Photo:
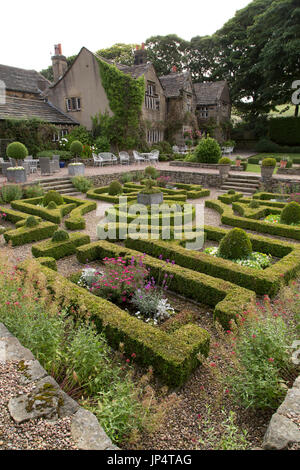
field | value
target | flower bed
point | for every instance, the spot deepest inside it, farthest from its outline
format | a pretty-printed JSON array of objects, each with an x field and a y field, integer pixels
[
  {"x": 267, "y": 281},
  {"x": 228, "y": 299},
  {"x": 173, "y": 356}
]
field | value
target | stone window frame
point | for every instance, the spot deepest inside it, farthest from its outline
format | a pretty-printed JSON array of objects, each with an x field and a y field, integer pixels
[
  {"x": 152, "y": 100},
  {"x": 73, "y": 104}
]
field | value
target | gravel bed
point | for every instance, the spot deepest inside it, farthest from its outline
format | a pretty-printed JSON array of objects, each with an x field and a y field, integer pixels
[{"x": 38, "y": 434}]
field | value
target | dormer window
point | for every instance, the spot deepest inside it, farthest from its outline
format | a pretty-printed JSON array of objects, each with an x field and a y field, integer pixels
[{"x": 73, "y": 104}]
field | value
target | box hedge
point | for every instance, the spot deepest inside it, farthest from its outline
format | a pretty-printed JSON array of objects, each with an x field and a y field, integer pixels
[
  {"x": 228, "y": 218},
  {"x": 172, "y": 356},
  {"x": 228, "y": 299},
  {"x": 23, "y": 235},
  {"x": 267, "y": 281},
  {"x": 31, "y": 206},
  {"x": 60, "y": 249}
]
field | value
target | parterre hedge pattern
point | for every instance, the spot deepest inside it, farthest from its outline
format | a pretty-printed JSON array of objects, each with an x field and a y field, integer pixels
[
  {"x": 23, "y": 235},
  {"x": 61, "y": 249},
  {"x": 228, "y": 299},
  {"x": 228, "y": 218},
  {"x": 263, "y": 282},
  {"x": 172, "y": 356}
]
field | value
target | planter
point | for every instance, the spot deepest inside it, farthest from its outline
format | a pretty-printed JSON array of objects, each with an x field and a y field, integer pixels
[
  {"x": 62, "y": 164},
  {"x": 75, "y": 170},
  {"x": 238, "y": 162},
  {"x": 267, "y": 172},
  {"x": 224, "y": 170},
  {"x": 149, "y": 199},
  {"x": 283, "y": 163},
  {"x": 16, "y": 176}
]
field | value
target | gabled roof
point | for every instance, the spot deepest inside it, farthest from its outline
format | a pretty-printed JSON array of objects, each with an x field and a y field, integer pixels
[
  {"x": 209, "y": 92},
  {"x": 17, "y": 79},
  {"x": 135, "y": 71},
  {"x": 174, "y": 83},
  {"x": 21, "y": 108}
]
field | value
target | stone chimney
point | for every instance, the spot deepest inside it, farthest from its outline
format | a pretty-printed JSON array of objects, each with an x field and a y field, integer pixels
[
  {"x": 140, "y": 55},
  {"x": 59, "y": 63}
]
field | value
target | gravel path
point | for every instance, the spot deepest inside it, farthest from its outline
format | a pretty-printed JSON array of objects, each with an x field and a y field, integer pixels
[{"x": 39, "y": 434}]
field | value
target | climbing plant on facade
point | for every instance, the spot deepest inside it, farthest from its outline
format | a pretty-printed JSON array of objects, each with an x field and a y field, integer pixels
[{"x": 125, "y": 95}]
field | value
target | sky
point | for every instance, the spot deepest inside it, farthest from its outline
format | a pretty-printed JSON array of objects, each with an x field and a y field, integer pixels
[{"x": 29, "y": 29}]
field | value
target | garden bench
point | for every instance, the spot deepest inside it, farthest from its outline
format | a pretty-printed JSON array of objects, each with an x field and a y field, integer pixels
[{"x": 107, "y": 158}]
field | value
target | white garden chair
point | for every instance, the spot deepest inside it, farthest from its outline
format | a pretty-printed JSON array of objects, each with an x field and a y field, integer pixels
[
  {"x": 124, "y": 158},
  {"x": 97, "y": 160},
  {"x": 153, "y": 156},
  {"x": 138, "y": 158}
]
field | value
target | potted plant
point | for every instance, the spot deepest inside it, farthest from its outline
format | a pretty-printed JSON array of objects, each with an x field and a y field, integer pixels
[
  {"x": 75, "y": 169},
  {"x": 267, "y": 168},
  {"x": 16, "y": 151},
  {"x": 224, "y": 166},
  {"x": 16, "y": 174},
  {"x": 150, "y": 195},
  {"x": 238, "y": 161},
  {"x": 283, "y": 161},
  {"x": 76, "y": 149}
]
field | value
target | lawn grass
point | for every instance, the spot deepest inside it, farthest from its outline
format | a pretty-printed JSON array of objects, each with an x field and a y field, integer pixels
[{"x": 256, "y": 168}]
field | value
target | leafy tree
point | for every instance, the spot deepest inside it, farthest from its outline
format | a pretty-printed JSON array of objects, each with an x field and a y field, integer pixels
[
  {"x": 121, "y": 53},
  {"x": 167, "y": 51}
]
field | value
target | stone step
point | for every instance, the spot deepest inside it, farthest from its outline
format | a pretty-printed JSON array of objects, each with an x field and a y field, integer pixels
[
  {"x": 238, "y": 188},
  {"x": 59, "y": 187},
  {"x": 242, "y": 183},
  {"x": 244, "y": 177},
  {"x": 53, "y": 180}
]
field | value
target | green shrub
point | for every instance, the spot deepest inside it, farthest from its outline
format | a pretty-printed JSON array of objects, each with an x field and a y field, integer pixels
[
  {"x": 235, "y": 245},
  {"x": 190, "y": 157},
  {"x": 254, "y": 160},
  {"x": 163, "y": 147},
  {"x": 254, "y": 204},
  {"x": 60, "y": 249},
  {"x": 265, "y": 146},
  {"x": 285, "y": 130},
  {"x": 224, "y": 161},
  {"x": 269, "y": 162},
  {"x": 151, "y": 172},
  {"x": 126, "y": 178},
  {"x": 34, "y": 190},
  {"x": 290, "y": 213},
  {"x": 231, "y": 191},
  {"x": 28, "y": 234},
  {"x": 53, "y": 196},
  {"x": 102, "y": 144},
  {"x": 63, "y": 154},
  {"x": 31, "y": 221},
  {"x": 76, "y": 148},
  {"x": 115, "y": 188},
  {"x": 52, "y": 205},
  {"x": 11, "y": 192},
  {"x": 16, "y": 150},
  {"x": 82, "y": 183},
  {"x": 208, "y": 151},
  {"x": 60, "y": 236}
]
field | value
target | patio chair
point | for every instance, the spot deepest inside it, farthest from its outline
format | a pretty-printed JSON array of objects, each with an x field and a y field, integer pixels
[
  {"x": 47, "y": 166},
  {"x": 97, "y": 160},
  {"x": 55, "y": 159},
  {"x": 153, "y": 156},
  {"x": 124, "y": 158},
  {"x": 137, "y": 157}
]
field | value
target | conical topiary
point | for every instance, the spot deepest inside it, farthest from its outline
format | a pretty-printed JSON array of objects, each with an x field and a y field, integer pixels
[
  {"x": 52, "y": 205},
  {"x": 290, "y": 213},
  {"x": 235, "y": 245}
]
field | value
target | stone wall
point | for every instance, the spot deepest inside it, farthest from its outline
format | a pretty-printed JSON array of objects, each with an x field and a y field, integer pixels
[{"x": 284, "y": 427}]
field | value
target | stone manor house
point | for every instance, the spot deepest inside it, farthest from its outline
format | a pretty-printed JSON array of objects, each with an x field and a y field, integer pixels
[{"x": 77, "y": 94}]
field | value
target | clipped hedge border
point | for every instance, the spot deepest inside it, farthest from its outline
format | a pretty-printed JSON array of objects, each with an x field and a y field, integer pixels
[
  {"x": 228, "y": 218},
  {"x": 116, "y": 231},
  {"x": 16, "y": 217},
  {"x": 61, "y": 249},
  {"x": 76, "y": 220},
  {"x": 48, "y": 262},
  {"x": 259, "y": 213},
  {"x": 230, "y": 198},
  {"x": 228, "y": 299},
  {"x": 267, "y": 281},
  {"x": 264, "y": 196},
  {"x": 30, "y": 206},
  {"x": 23, "y": 235},
  {"x": 172, "y": 356},
  {"x": 113, "y": 214},
  {"x": 102, "y": 195},
  {"x": 191, "y": 191}
]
